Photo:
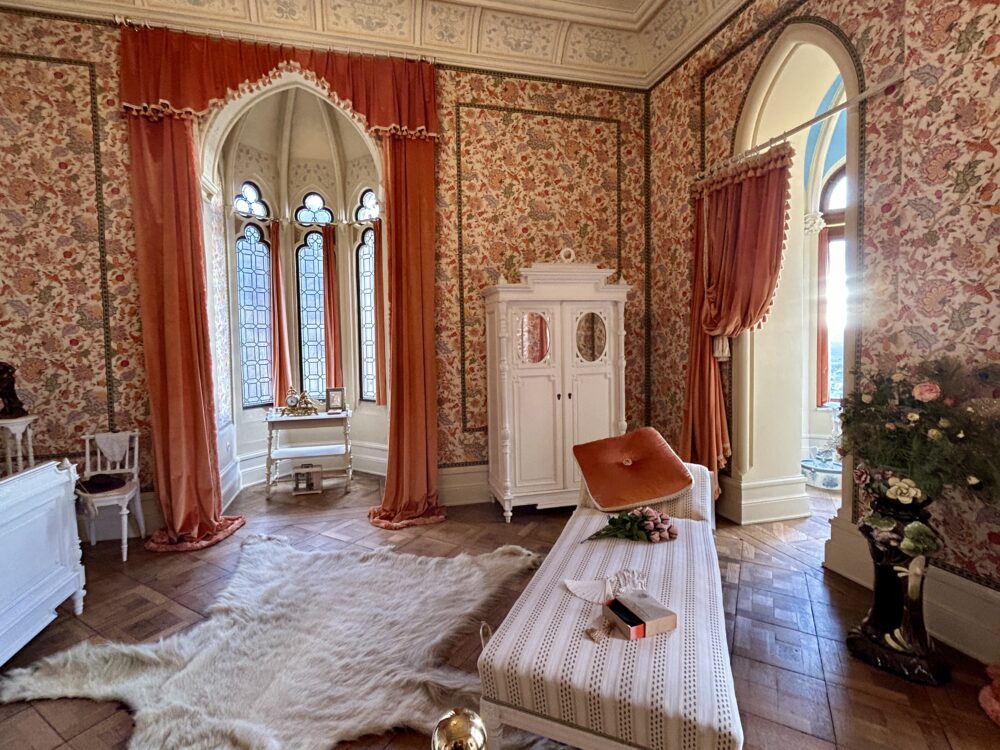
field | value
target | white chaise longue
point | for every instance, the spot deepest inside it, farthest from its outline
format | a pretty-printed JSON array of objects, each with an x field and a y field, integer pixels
[{"x": 540, "y": 671}]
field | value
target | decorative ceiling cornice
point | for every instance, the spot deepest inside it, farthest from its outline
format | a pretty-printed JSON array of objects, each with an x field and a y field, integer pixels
[{"x": 616, "y": 42}]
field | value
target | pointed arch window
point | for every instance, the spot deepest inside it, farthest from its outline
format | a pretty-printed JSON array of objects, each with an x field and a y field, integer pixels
[
  {"x": 249, "y": 204},
  {"x": 253, "y": 288},
  {"x": 367, "y": 337},
  {"x": 832, "y": 291},
  {"x": 368, "y": 207},
  {"x": 313, "y": 210},
  {"x": 312, "y": 336}
]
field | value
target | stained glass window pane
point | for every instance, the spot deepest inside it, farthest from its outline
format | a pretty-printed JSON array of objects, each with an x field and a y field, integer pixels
[
  {"x": 253, "y": 288},
  {"x": 368, "y": 208},
  {"x": 366, "y": 313},
  {"x": 249, "y": 203},
  {"x": 312, "y": 344},
  {"x": 313, "y": 210}
]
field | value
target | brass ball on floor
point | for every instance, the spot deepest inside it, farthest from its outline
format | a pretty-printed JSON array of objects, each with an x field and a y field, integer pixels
[{"x": 459, "y": 729}]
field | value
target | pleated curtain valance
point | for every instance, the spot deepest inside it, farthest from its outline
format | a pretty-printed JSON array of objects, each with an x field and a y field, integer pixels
[{"x": 176, "y": 74}]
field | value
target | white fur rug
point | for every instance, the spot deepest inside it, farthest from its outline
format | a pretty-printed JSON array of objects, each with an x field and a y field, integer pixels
[{"x": 302, "y": 650}]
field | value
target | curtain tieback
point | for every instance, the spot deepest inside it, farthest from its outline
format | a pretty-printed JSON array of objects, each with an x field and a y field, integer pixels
[{"x": 720, "y": 348}]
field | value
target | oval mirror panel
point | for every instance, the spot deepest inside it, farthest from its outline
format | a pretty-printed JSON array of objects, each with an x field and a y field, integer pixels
[
  {"x": 534, "y": 338},
  {"x": 591, "y": 337}
]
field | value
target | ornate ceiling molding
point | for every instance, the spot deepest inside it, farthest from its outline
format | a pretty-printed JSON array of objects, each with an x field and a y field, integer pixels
[{"x": 616, "y": 42}]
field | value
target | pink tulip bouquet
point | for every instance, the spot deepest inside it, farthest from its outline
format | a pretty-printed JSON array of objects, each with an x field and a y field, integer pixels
[{"x": 640, "y": 525}]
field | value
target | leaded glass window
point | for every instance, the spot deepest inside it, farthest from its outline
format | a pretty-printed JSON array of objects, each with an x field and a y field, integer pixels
[
  {"x": 368, "y": 208},
  {"x": 313, "y": 210},
  {"x": 312, "y": 339},
  {"x": 366, "y": 314},
  {"x": 253, "y": 288},
  {"x": 249, "y": 202}
]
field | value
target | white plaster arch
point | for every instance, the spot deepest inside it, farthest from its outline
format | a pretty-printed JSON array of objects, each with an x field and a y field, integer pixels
[
  {"x": 751, "y": 486},
  {"x": 213, "y": 131}
]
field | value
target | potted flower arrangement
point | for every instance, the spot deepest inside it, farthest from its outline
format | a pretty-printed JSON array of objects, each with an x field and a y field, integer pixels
[{"x": 912, "y": 437}]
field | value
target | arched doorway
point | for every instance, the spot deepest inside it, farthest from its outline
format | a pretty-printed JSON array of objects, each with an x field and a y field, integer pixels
[
  {"x": 287, "y": 155},
  {"x": 777, "y": 418}
]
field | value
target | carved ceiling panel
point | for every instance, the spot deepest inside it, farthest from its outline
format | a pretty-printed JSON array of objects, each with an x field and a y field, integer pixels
[{"x": 622, "y": 42}]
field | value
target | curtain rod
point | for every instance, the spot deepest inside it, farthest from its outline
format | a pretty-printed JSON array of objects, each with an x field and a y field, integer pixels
[
  {"x": 369, "y": 51},
  {"x": 853, "y": 102}
]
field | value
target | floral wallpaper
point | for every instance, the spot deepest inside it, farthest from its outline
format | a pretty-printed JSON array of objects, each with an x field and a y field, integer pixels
[
  {"x": 69, "y": 317},
  {"x": 930, "y": 264},
  {"x": 526, "y": 168}
]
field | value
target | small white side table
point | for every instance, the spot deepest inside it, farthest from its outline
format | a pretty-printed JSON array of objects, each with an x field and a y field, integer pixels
[{"x": 15, "y": 432}]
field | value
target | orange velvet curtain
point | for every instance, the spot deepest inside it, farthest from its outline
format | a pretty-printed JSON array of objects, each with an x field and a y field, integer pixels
[
  {"x": 331, "y": 311},
  {"x": 411, "y": 485},
  {"x": 380, "y": 369},
  {"x": 173, "y": 307},
  {"x": 281, "y": 361},
  {"x": 740, "y": 222},
  {"x": 822, "y": 334},
  {"x": 172, "y": 72},
  {"x": 168, "y": 78}
]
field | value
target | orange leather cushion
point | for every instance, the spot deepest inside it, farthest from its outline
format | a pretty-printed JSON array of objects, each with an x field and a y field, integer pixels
[{"x": 631, "y": 470}]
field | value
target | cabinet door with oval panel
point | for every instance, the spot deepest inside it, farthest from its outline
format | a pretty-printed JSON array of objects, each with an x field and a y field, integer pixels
[
  {"x": 537, "y": 397},
  {"x": 589, "y": 413}
]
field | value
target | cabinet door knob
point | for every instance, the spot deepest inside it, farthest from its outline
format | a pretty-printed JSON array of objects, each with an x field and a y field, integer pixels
[
  {"x": 558, "y": 397},
  {"x": 569, "y": 395}
]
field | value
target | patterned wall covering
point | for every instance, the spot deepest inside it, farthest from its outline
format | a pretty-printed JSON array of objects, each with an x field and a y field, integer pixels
[
  {"x": 930, "y": 230},
  {"x": 526, "y": 168},
  {"x": 69, "y": 316}
]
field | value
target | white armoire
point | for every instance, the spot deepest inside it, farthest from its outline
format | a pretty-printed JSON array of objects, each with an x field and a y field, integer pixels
[{"x": 555, "y": 354}]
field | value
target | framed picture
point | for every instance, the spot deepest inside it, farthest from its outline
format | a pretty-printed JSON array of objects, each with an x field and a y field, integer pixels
[{"x": 335, "y": 399}]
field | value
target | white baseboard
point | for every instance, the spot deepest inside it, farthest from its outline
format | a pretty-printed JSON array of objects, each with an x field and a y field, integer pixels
[
  {"x": 230, "y": 480},
  {"x": 251, "y": 468},
  {"x": 763, "y": 501},
  {"x": 371, "y": 458},
  {"x": 463, "y": 485},
  {"x": 958, "y": 612}
]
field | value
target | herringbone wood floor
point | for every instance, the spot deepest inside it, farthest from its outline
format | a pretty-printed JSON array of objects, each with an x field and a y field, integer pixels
[{"x": 796, "y": 686}]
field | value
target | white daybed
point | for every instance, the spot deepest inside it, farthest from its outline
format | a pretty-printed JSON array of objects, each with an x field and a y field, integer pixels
[{"x": 540, "y": 672}]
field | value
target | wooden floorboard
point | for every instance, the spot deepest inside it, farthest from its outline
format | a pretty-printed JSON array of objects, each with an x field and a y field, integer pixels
[{"x": 786, "y": 616}]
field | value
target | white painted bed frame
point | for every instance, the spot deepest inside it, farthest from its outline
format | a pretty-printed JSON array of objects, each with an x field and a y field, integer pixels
[{"x": 39, "y": 552}]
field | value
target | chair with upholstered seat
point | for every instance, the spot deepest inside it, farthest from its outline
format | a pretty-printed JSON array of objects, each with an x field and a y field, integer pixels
[{"x": 111, "y": 478}]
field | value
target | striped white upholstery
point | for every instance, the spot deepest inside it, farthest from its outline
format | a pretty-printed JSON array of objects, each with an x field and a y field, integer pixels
[
  {"x": 671, "y": 691},
  {"x": 695, "y": 502}
]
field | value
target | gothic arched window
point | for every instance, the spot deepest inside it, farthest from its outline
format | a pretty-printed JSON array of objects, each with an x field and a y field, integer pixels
[
  {"x": 249, "y": 203},
  {"x": 366, "y": 315},
  {"x": 368, "y": 208},
  {"x": 313, "y": 210},
  {"x": 253, "y": 289},
  {"x": 312, "y": 342}
]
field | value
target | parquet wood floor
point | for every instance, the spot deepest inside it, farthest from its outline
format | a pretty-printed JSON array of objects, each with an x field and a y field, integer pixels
[{"x": 796, "y": 685}]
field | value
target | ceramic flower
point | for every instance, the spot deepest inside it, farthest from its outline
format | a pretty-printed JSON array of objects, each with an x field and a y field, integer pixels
[
  {"x": 913, "y": 416},
  {"x": 904, "y": 491},
  {"x": 972, "y": 481},
  {"x": 944, "y": 423},
  {"x": 926, "y": 391},
  {"x": 898, "y": 377},
  {"x": 919, "y": 539},
  {"x": 935, "y": 434},
  {"x": 890, "y": 426},
  {"x": 867, "y": 398},
  {"x": 861, "y": 476}
]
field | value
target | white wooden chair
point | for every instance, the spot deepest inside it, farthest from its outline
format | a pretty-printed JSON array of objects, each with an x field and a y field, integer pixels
[{"x": 127, "y": 466}]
